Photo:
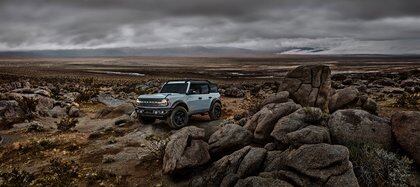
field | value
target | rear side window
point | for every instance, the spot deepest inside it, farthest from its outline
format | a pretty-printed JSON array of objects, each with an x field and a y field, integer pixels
[
  {"x": 199, "y": 88},
  {"x": 213, "y": 88}
]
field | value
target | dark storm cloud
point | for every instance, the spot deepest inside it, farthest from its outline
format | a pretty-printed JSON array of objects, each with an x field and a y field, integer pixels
[{"x": 338, "y": 26}]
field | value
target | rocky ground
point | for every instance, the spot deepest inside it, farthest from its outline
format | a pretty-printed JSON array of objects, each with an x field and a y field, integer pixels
[{"x": 307, "y": 128}]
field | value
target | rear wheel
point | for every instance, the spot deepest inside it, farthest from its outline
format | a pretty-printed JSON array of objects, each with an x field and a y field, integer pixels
[
  {"x": 146, "y": 120},
  {"x": 215, "y": 111},
  {"x": 178, "y": 118}
]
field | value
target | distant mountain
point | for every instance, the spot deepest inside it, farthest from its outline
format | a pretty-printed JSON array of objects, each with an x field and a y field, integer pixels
[{"x": 118, "y": 52}]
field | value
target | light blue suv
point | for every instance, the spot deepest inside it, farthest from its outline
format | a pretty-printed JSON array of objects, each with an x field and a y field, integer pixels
[{"x": 178, "y": 100}]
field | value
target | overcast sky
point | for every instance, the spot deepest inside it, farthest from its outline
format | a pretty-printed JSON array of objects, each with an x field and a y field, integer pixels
[{"x": 335, "y": 26}]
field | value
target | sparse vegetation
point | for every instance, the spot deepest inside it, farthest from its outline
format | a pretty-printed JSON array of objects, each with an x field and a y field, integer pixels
[
  {"x": 375, "y": 166},
  {"x": 407, "y": 100},
  {"x": 66, "y": 123}
]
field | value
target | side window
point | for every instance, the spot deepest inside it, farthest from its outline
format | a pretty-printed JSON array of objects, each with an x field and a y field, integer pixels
[
  {"x": 194, "y": 89},
  {"x": 213, "y": 88},
  {"x": 204, "y": 88}
]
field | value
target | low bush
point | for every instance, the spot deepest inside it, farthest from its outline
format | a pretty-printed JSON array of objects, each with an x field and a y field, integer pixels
[
  {"x": 66, "y": 124},
  {"x": 375, "y": 166},
  {"x": 407, "y": 100}
]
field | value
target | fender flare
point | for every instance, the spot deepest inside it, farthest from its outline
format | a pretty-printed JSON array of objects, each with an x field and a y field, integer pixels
[
  {"x": 215, "y": 100},
  {"x": 180, "y": 103}
]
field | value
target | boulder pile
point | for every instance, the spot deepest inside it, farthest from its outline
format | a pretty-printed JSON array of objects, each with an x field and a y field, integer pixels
[{"x": 298, "y": 138}]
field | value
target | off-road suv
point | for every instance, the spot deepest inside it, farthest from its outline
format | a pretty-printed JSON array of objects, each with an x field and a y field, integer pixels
[{"x": 178, "y": 100}]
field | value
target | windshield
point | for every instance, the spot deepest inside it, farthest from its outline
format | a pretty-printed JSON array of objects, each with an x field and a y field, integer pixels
[{"x": 174, "y": 88}]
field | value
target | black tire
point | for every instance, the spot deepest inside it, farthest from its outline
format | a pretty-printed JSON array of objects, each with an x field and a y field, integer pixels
[
  {"x": 215, "y": 111},
  {"x": 178, "y": 118},
  {"x": 146, "y": 120}
]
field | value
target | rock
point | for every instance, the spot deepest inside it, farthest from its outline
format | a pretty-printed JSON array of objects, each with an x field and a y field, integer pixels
[
  {"x": 309, "y": 85},
  {"x": 343, "y": 98},
  {"x": 44, "y": 104},
  {"x": 58, "y": 111},
  {"x": 227, "y": 139},
  {"x": 234, "y": 92},
  {"x": 70, "y": 97},
  {"x": 185, "y": 149},
  {"x": 260, "y": 181},
  {"x": 406, "y": 128},
  {"x": 280, "y": 97},
  {"x": 35, "y": 126},
  {"x": 74, "y": 112},
  {"x": 10, "y": 113},
  {"x": 239, "y": 164},
  {"x": 262, "y": 123},
  {"x": 112, "y": 112},
  {"x": 270, "y": 146},
  {"x": 109, "y": 100},
  {"x": 370, "y": 106},
  {"x": 312, "y": 165},
  {"x": 301, "y": 127},
  {"x": 358, "y": 126},
  {"x": 122, "y": 120},
  {"x": 42, "y": 92}
]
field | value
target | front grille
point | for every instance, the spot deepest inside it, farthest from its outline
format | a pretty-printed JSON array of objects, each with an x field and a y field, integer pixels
[{"x": 149, "y": 102}]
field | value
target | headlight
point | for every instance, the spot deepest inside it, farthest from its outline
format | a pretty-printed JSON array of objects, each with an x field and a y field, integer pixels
[{"x": 164, "y": 102}]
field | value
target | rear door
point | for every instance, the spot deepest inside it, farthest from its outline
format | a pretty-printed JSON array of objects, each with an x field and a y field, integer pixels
[{"x": 198, "y": 98}]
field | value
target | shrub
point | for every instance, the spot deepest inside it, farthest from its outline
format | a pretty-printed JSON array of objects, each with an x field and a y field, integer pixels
[
  {"x": 66, "y": 123},
  {"x": 375, "y": 166},
  {"x": 407, "y": 100}
]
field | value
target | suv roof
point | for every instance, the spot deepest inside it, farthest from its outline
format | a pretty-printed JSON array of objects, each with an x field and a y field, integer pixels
[{"x": 191, "y": 81}]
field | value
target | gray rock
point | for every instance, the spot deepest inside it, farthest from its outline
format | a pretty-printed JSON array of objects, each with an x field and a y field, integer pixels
[
  {"x": 260, "y": 181},
  {"x": 280, "y": 97},
  {"x": 406, "y": 127},
  {"x": 109, "y": 100},
  {"x": 298, "y": 128},
  {"x": 262, "y": 123},
  {"x": 343, "y": 98},
  {"x": 74, "y": 112},
  {"x": 185, "y": 149},
  {"x": 58, "y": 111},
  {"x": 10, "y": 113},
  {"x": 239, "y": 164},
  {"x": 309, "y": 85},
  {"x": 227, "y": 139},
  {"x": 358, "y": 126}
]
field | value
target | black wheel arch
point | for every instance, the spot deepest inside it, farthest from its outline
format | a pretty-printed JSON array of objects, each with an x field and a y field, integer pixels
[
  {"x": 216, "y": 100},
  {"x": 180, "y": 103}
]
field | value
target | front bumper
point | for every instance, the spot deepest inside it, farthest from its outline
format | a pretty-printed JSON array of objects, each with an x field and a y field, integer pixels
[{"x": 154, "y": 112}]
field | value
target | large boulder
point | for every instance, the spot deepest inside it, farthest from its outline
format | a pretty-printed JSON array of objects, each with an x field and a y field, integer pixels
[
  {"x": 113, "y": 112},
  {"x": 227, "y": 170},
  {"x": 261, "y": 181},
  {"x": 309, "y": 85},
  {"x": 406, "y": 128},
  {"x": 227, "y": 139},
  {"x": 186, "y": 149},
  {"x": 358, "y": 126},
  {"x": 262, "y": 123},
  {"x": 312, "y": 165},
  {"x": 301, "y": 127}
]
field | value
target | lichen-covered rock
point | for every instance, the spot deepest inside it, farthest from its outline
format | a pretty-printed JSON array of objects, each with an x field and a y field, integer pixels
[
  {"x": 350, "y": 97},
  {"x": 227, "y": 139},
  {"x": 358, "y": 126},
  {"x": 406, "y": 128},
  {"x": 262, "y": 123},
  {"x": 240, "y": 164},
  {"x": 279, "y": 97},
  {"x": 10, "y": 113},
  {"x": 309, "y": 85},
  {"x": 311, "y": 165},
  {"x": 260, "y": 181},
  {"x": 301, "y": 127},
  {"x": 185, "y": 149}
]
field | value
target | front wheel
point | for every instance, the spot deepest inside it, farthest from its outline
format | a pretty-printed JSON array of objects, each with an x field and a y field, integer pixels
[
  {"x": 215, "y": 111},
  {"x": 178, "y": 118}
]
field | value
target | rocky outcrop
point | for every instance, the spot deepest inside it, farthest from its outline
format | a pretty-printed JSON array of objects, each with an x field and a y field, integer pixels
[
  {"x": 301, "y": 127},
  {"x": 262, "y": 123},
  {"x": 309, "y": 85},
  {"x": 262, "y": 181},
  {"x": 312, "y": 165},
  {"x": 227, "y": 170},
  {"x": 406, "y": 128},
  {"x": 185, "y": 149},
  {"x": 227, "y": 139},
  {"x": 350, "y": 97},
  {"x": 10, "y": 113},
  {"x": 358, "y": 126}
]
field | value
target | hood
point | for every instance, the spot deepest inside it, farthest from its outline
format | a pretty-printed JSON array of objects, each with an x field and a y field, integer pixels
[{"x": 159, "y": 96}]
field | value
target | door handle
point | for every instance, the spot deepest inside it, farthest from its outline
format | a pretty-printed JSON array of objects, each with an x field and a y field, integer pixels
[{"x": 200, "y": 98}]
